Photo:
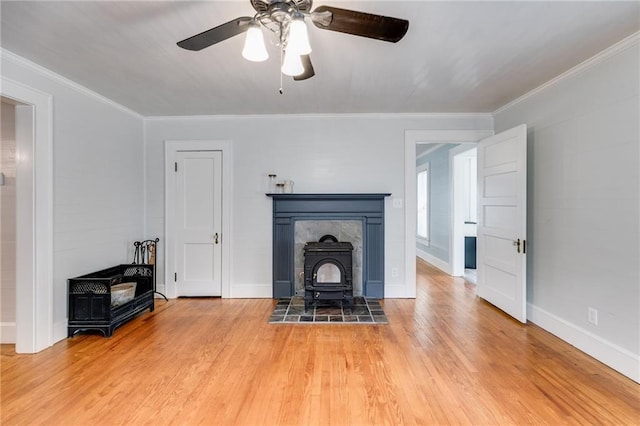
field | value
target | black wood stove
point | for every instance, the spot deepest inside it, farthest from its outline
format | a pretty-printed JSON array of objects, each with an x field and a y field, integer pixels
[{"x": 328, "y": 272}]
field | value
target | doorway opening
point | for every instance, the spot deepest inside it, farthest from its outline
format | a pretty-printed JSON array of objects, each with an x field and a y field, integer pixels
[
  {"x": 464, "y": 214},
  {"x": 8, "y": 226},
  {"x": 207, "y": 258},
  {"x": 447, "y": 207},
  {"x": 34, "y": 324},
  {"x": 502, "y": 185},
  {"x": 445, "y": 250}
]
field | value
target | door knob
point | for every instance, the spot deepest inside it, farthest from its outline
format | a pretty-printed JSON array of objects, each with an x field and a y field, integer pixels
[
  {"x": 521, "y": 246},
  {"x": 215, "y": 238}
]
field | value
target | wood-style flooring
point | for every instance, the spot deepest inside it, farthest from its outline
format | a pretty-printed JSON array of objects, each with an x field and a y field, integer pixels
[{"x": 446, "y": 357}]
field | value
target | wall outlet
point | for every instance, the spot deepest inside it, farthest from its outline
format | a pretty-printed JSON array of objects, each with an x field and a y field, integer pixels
[
  {"x": 592, "y": 316},
  {"x": 394, "y": 272}
]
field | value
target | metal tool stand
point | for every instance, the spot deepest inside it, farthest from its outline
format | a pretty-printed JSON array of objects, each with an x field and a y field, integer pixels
[{"x": 145, "y": 254}]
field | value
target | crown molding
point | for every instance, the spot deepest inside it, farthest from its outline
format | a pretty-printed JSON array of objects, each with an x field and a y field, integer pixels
[
  {"x": 8, "y": 55},
  {"x": 605, "y": 54},
  {"x": 349, "y": 116}
]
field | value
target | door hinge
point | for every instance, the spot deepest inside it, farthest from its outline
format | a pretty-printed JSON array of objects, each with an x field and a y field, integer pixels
[
  {"x": 524, "y": 246},
  {"x": 175, "y": 277},
  {"x": 175, "y": 166}
]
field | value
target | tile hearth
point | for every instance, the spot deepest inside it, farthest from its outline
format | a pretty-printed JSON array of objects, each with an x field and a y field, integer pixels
[{"x": 365, "y": 311}]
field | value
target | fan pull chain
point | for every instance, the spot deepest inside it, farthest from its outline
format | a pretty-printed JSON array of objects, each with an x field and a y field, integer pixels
[{"x": 281, "y": 90}]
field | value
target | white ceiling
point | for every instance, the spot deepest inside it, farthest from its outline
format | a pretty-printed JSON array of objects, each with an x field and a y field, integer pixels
[{"x": 456, "y": 57}]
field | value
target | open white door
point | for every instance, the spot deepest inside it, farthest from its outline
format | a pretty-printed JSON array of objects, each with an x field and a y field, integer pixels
[
  {"x": 502, "y": 221},
  {"x": 198, "y": 219}
]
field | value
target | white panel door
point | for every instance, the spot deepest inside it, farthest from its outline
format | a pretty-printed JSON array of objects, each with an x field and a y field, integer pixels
[
  {"x": 198, "y": 211},
  {"x": 502, "y": 221}
]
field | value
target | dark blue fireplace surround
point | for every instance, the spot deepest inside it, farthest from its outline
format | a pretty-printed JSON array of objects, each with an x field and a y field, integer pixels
[{"x": 369, "y": 208}]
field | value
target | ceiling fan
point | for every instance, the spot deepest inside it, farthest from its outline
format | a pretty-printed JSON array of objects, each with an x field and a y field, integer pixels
[{"x": 285, "y": 18}]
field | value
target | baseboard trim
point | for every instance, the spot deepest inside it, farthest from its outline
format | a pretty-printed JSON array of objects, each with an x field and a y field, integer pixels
[
  {"x": 395, "y": 291},
  {"x": 162, "y": 289},
  {"x": 8, "y": 333},
  {"x": 237, "y": 292},
  {"x": 251, "y": 292},
  {"x": 438, "y": 263},
  {"x": 620, "y": 359},
  {"x": 60, "y": 331}
]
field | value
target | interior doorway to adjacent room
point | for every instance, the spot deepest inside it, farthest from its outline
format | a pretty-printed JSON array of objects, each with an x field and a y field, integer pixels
[{"x": 464, "y": 194}]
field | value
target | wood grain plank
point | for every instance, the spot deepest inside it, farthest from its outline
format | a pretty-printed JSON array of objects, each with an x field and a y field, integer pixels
[{"x": 446, "y": 357}]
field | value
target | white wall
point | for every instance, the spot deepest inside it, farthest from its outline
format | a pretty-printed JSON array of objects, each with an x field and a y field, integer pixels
[
  {"x": 583, "y": 205},
  {"x": 322, "y": 154},
  {"x": 8, "y": 224},
  {"x": 98, "y": 185},
  {"x": 469, "y": 197},
  {"x": 439, "y": 203}
]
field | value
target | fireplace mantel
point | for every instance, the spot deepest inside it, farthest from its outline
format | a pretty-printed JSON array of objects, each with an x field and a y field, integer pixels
[{"x": 369, "y": 208}]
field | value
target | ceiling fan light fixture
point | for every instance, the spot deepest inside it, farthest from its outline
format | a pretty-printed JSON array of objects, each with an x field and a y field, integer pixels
[
  {"x": 285, "y": 19},
  {"x": 254, "y": 48},
  {"x": 298, "y": 40},
  {"x": 292, "y": 63}
]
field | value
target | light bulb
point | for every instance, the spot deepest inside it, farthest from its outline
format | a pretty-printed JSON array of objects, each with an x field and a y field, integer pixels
[
  {"x": 254, "y": 48},
  {"x": 292, "y": 64},
  {"x": 298, "y": 40}
]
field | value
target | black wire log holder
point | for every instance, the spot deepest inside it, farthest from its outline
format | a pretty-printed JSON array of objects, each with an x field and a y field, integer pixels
[{"x": 145, "y": 254}]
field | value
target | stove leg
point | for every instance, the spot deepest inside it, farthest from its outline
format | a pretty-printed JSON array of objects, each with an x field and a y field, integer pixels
[{"x": 349, "y": 304}]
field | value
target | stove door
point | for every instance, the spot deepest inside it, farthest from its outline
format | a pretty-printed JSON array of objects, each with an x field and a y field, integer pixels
[{"x": 328, "y": 273}]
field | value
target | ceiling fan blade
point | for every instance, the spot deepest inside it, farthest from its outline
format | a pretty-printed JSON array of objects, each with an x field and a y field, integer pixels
[
  {"x": 216, "y": 35},
  {"x": 308, "y": 69},
  {"x": 362, "y": 24}
]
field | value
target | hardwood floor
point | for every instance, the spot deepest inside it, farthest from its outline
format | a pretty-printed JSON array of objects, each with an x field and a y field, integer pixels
[{"x": 444, "y": 358}]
